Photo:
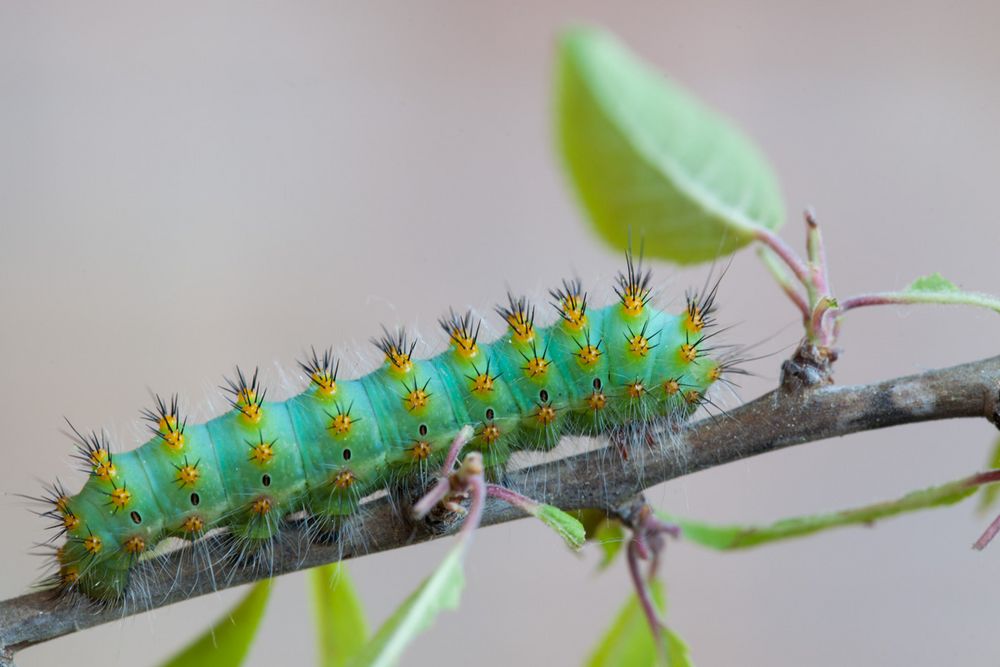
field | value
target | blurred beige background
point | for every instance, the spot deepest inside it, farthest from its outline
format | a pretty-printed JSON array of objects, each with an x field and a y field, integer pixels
[{"x": 187, "y": 188}]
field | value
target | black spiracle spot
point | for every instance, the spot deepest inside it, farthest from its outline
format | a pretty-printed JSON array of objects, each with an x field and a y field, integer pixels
[
  {"x": 266, "y": 480},
  {"x": 347, "y": 454},
  {"x": 195, "y": 499},
  {"x": 543, "y": 396},
  {"x": 597, "y": 384},
  {"x": 490, "y": 414},
  {"x": 423, "y": 429},
  {"x": 136, "y": 517}
]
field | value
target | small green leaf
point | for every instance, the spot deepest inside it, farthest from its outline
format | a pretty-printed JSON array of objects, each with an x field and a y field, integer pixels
[
  {"x": 647, "y": 158},
  {"x": 938, "y": 290},
  {"x": 725, "y": 537},
  {"x": 438, "y": 592},
  {"x": 226, "y": 644},
  {"x": 340, "y": 620},
  {"x": 610, "y": 536},
  {"x": 605, "y": 532},
  {"x": 935, "y": 282},
  {"x": 988, "y": 496},
  {"x": 629, "y": 641},
  {"x": 570, "y": 529}
]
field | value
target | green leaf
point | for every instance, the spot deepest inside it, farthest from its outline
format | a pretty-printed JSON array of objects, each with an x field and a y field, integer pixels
[
  {"x": 647, "y": 158},
  {"x": 629, "y": 641},
  {"x": 569, "y": 528},
  {"x": 340, "y": 619},
  {"x": 934, "y": 282},
  {"x": 226, "y": 644},
  {"x": 438, "y": 592},
  {"x": 988, "y": 496},
  {"x": 726, "y": 537},
  {"x": 937, "y": 289},
  {"x": 610, "y": 536}
]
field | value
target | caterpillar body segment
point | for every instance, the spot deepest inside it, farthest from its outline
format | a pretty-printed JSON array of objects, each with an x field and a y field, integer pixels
[{"x": 594, "y": 370}]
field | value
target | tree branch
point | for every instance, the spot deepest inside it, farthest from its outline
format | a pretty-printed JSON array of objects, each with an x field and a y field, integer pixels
[{"x": 594, "y": 479}]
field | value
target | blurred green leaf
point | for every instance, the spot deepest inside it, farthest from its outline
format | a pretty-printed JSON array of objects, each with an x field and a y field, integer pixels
[
  {"x": 988, "y": 496},
  {"x": 340, "y": 620},
  {"x": 610, "y": 536},
  {"x": 629, "y": 640},
  {"x": 741, "y": 537},
  {"x": 647, "y": 158},
  {"x": 568, "y": 527},
  {"x": 438, "y": 592},
  {"x": 605, "y": 532},
  {"x": 227, "y": 643}
]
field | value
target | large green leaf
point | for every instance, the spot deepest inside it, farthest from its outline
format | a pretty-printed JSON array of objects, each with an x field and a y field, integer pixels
[
  {"x": 647, "y": 158},
  {"x": 726, "y": 537},
  {"x": 438, "y": 592},
  {"x": 226, "y": 644},
  {"x": 340, "y": 619},
  {"x": 629, "y": 641}
]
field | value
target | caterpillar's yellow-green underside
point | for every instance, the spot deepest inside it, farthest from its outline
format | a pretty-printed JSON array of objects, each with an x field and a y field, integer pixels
[{"x": 321, "y": 451}]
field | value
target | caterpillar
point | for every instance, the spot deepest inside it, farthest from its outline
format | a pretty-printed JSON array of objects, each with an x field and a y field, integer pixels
[{"x": 320, "y": 452}]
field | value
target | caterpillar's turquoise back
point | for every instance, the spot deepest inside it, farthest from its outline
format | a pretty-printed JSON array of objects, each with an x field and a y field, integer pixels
[{"x": 593, "y": 371}]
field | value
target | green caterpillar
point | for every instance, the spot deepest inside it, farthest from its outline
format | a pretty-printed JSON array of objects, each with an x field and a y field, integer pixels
[{"x": 593, "y": 371}]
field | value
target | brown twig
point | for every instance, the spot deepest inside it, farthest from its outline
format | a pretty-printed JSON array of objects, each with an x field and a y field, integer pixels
[{"x": 779, "y": 419}]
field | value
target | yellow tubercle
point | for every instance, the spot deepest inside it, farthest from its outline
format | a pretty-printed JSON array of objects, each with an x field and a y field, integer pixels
[
  {"x": 633, "y": 301},
  {"x": 193, "y": 525},
  {"x": 671, "y": 387},
  {"x": 597, "y": 400},
  {"x": 638, "y": 345},
  {"x": 93, "y": 544},
  {"x": 174, "y": 440},
  {"x": 692, "y": 396},
  {"x": 521, "y": 326},
  {"x": 635, "y": 389},
  {"x": 187, "y": 475},
  {"x": 262, "y": 452},
  {"x": 261, "y": 505},
  {"x": 573, "y": 312},
  {"x": 482, "y": 384},
  {"x": 545, "y": 414},
  {"x": 105, "y": 471},
  {"x": 491, "y": 433},
  {"x": 687, "y": 353},
  {"x": 398, "y": 361},
  {"x": 536, "y": 366},
  {"x": 693, "y": 320},
  {"x": 416, "y": 399},
  {"x": 251, "y": 413},
  {"x": 340, "y": 424},
  {"x": 326, "y": 386},
  {"x": 588, "y": 355},
  {"x": 134, "y": 545},
  {"x": 69, "y": 574},
  {"x": 344, "y": 479},
  {"x": 421, "y": 450},
  {"x": 120, "y": 497}
]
